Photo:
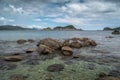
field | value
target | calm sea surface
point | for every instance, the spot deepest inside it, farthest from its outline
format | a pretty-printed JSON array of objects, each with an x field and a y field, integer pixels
[
  {"x": 36, "y": 34},
  {"x": 106, "y": 45}
]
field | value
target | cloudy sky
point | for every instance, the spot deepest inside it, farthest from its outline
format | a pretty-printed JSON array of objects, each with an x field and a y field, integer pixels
[{"x": 85, "y": 14}]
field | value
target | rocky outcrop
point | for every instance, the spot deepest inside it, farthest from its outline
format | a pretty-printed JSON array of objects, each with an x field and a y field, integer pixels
[
  {"x": 79, "y": 42},
  {"x": 67, "y": 51},
  {"x": 116, "y": 32},
  {"x": 49, "y": 45}
]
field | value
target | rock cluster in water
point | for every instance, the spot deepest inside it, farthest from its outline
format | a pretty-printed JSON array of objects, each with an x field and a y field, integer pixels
[
  {"x": 116, "y": 32},
  {"x": 49, "y": 45}
]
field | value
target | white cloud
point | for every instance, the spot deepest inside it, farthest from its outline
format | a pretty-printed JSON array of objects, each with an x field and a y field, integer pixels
[
  {"x": 69, "y": 20},
  {"x": 38, "y": 20},
  {"x": 34, "y": 26},
  {"x": 5, "y": 20},
  {"x": 17, "y": 10}
]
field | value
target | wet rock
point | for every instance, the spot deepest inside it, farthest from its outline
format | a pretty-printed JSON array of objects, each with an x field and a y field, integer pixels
[
  {"x": 55, "y": 68},
  {"x": 67, "y": 51},
  {"x": 30, "y": 50},
  {"x": 52, "y": 43},
  {"x": 75, "y": 39},
  {"x": 21, "y": 41},
  {"x": 7, "y": 66},
  {"x": 18, "y": 77},
  {"x": 116, "y": 32},
  {"x": 43, "y": 49},
  {"x": 88, "y": 43},
  {"x": 93, "y": 43},
  {"x": 66, "y": 43},
  {"x": 75, "y": 45},
  {"x": 31, "y": 40},
  {"x": 84, "y": 39},
  {"x": 103, "y": 76},
  {"x": 75, "y": 56},
  {"x": 14, "y": 58}
]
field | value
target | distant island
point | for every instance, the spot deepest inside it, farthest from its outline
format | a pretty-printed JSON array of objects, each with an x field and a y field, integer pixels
[
  {"x": 10, "y": 27},
  {"x": 108, "y": 28},
  {"x": 60, "y": 28}
]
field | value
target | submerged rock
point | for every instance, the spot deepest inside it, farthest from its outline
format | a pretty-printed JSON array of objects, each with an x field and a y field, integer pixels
[
  {"x": 18, "y": 77},
  {"x": 109, "y": 37},
  {"x": 115, "y": 73},
  {"x": 21, "y": 41},
  {"x": 55, "y": 68},
  {"x": 31, "y": 40},
  {"x": 30, "y": 50},
  {"x": 108, "y": 78},
  {"x": 103, "y": 76},
  {"x": 67, "y": 51},
  {"x": 43, "y": 49},
  {"x": 14, "y": 58}
]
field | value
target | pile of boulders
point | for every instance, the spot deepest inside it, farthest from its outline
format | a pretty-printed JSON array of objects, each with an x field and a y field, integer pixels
[{"x": 49, "y": 45}]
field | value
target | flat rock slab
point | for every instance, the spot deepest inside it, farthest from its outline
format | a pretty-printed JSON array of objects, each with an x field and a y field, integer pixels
[{"x": 55, "y": 68}]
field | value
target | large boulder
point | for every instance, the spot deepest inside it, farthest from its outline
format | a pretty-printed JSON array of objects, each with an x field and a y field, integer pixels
[
  {"x": 75, "y": 44},
  {"x": 21, "y": 41},
  {"x": 43, "y": 49},
  {"x": 14, "y": 58},
  {"x": 52, "y": 43},
  {"x": 67, "y": 51}
]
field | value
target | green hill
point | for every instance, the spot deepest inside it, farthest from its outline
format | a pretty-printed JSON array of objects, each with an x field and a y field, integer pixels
[{"x": 10, "y": 27}]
